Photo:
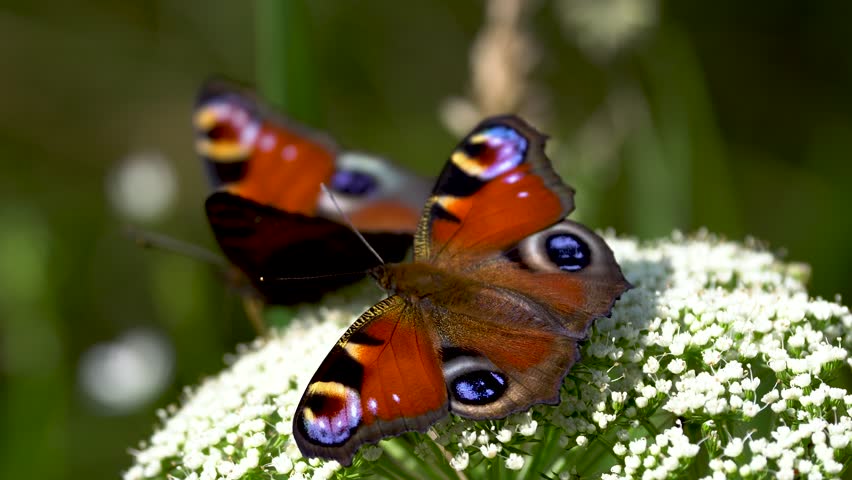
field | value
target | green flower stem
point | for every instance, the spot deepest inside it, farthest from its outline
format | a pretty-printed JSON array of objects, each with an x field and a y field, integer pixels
[{"x": 284, "y": 58}]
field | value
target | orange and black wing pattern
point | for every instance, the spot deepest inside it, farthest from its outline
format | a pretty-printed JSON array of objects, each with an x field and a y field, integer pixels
[
  {"x": 496, "y": 189},
  {"x": 382, "y": 378},
  {"x": 268, "y": 212}
]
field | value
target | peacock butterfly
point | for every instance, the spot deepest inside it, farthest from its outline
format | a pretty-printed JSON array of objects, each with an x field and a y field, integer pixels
[
  {"x": 487, "y": 319},
  {"x": 268, "y": 212}
]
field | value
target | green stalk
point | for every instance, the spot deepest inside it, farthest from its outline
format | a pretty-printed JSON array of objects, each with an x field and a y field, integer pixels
[
  {"x": 284, "y": 60},
  {"x": 545, "y": 454}
]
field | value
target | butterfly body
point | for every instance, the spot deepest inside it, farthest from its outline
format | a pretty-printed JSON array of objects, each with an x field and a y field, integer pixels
[
  {"x": 487, "y": 318},
  {"x": 268, "y": 212}
]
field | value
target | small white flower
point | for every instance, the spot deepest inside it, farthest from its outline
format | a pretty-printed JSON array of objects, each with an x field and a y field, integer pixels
[
  {"x": 750, "y": 409},
  {"x": 224, "y": 467},
  {"x": 528, "y": 429},
  {"x": 734, "y": 448},
  {"x": 836, "y": 393},
  {"x": 282, "y": 463},
  {"x": 838, "y": 441},
  {"x": 651, "y": 366},
  {"x": 654, "y": 449},
  {"x": 833, "y": 467},
  {"x": 779, "y": 406},
  {"x": 638, "y": 446},
  {"x": 467, "y": 438},
  {"x": 514, "y": 462},
  {"x": 770, "y": 396},
  {"x": 460, "y": 461},
  {"x": 490, "y": 450},
  {"x": 758, "y": 463},
  {"x": 678, "y": 345},
  {"x": 255, "y": 440},
  {"x": 677, "y": 366},
  {"x": 716, "y": 464},
  {"x": 632, "y": 462},
  {"x": 504, "y": 435},
  {"x": 772, "y": 450},
  {"x": 711, "y": 357},
  {"x": 803, "y": 380}
]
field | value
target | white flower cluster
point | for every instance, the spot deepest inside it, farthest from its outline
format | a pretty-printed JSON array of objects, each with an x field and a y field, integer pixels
[
  {"x": 717, "y": 365},
  {"x": 240, "y": 421}
]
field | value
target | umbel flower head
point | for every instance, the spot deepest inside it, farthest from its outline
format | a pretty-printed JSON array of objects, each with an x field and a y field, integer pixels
[{"x": 717, "y": 365}]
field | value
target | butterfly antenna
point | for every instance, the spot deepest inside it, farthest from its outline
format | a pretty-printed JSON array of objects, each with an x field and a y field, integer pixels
[
  {"x": 310, "y": 277},
  {"x": 146, "y": 239},
  {"x": 349, "y": 223},
  {"x": 252, "y": 304}
]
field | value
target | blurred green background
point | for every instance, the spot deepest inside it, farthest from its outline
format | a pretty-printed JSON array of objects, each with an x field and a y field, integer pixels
[{"x": 663, "y": 115}]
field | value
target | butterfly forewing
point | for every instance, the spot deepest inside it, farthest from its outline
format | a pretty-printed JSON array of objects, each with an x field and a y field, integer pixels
[
  {"x": 382, "y": 378},
  {"x": 497, "y": 187},
  {"x": 256, "y": 154}
]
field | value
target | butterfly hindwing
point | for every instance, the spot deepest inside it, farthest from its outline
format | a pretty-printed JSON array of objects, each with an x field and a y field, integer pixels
[
  {"x": 374, "y": 194},
  {"x": 500, "y": 356},
  {"x": 515, "y": 320},
  {"x": 291, "y": 257},
  {"x": 565, "y": 268}
]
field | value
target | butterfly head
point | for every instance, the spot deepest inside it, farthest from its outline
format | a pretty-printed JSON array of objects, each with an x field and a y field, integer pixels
[{"x": 412, "y": 280}]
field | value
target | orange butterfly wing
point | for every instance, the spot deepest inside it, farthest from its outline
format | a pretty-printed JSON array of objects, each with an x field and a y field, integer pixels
[
  {"x": 382, "y": 378},
  {"x": 497, "y": 188},
  {"x": 254, "y": 153},
  {"x": 268, "y": 213}
]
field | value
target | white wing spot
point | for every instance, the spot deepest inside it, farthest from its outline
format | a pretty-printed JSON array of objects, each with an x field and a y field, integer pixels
[
  {"x": 513, "y": 178},
  {"x": 267, "y": 142},
  {"x": 289, "y": 152}
]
